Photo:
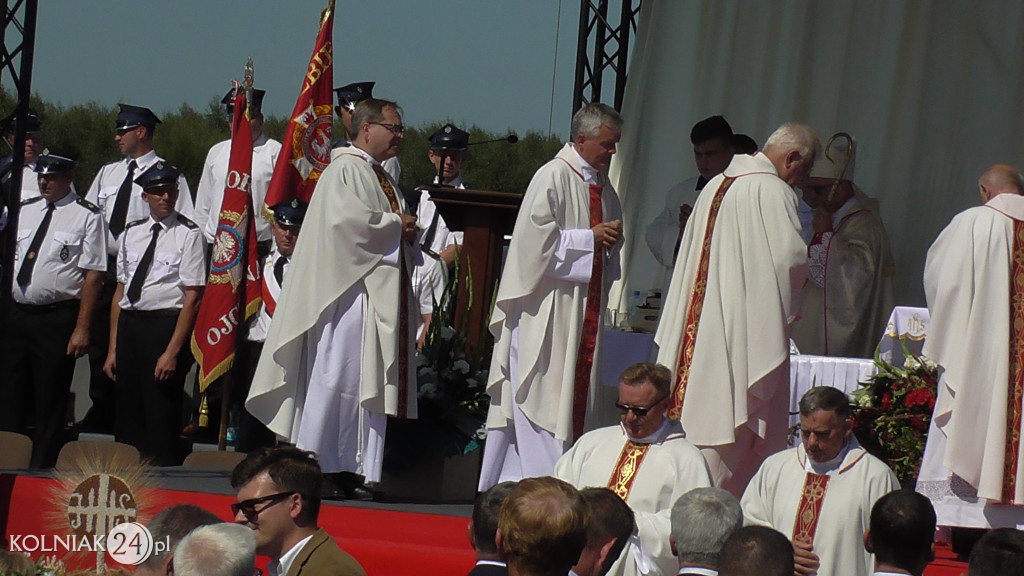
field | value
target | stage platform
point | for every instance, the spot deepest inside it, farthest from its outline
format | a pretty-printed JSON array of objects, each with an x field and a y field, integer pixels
[{"x": 386, "y": 538}]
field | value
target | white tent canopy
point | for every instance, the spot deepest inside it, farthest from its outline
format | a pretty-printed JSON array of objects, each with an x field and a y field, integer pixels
[{"x": 931, "y": 90}]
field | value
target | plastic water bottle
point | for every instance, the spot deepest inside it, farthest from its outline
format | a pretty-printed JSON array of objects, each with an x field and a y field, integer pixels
[
  {"x": 234, "y": 418},
  {"x": 634, "y": 302}
]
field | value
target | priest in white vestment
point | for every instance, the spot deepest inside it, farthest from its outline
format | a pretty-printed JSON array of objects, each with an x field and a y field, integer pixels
[
  {"x": 820, "y": 493},
  {"x": 724, "y": 328},
  {"x": 848, "y": 296},
  {"x": 337, "y": 360},
  {"x": 646, "y": 460},
  {"x": 974, "y": 283},
  {"x": 544, "y": 378}
]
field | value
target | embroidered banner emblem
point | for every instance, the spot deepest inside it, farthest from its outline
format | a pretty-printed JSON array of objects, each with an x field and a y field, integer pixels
[
  {"x": 700, "y": 286},
  {"x": 809, "y": 509},
  {"x": 1016, "y": 385},
  {"x": 624, "y": 473}
]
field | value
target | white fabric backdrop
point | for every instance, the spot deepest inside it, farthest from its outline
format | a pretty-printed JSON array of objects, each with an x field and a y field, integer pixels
[{"x": 932, "y": 90}]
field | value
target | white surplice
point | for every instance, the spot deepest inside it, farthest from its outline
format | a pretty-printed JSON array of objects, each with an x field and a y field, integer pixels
[
  {"x": 736, "y": 401},
  {"x": 670, "y": 468},
  {"x": 538, "y": 318},
  {"x": 856, "y": 482},
  {"x": 967, "y": 283},
  {"x": 329, "y": 373}
]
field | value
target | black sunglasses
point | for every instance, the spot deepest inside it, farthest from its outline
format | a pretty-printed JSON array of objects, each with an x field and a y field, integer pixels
[
  {"x": 248, "y": 507},
  {"x": 639, "y": 411}
]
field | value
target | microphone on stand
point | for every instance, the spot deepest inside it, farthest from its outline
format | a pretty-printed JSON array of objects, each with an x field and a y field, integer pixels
[{"x": 511, "y": 139}]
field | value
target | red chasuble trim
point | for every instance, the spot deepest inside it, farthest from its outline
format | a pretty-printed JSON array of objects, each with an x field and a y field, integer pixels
[
  {"x": 591, "y": 324},
  {"x": 700, "y": 287},
  {"x": 404, "y": 295},
  {"x": 626, "y": 466},
  {"x": 1016, "y": 384},
  {"x": 809, "y": 509}
]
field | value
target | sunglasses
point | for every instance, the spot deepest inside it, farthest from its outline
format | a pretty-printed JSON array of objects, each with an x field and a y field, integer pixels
[
  {"x": 248, "y": 507},
  {"x": 394, "y": 128},
  {"x": 639, "y": 411}
]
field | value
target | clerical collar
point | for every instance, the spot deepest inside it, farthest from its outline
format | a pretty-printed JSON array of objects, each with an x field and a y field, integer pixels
[
  {"x": 828, "y": 466},
  {"x": 885, "y": 573},
  {"x": 651, "y": 438},
  {"x": 491, "y": 563},
  {"x": 843, "y": 210},
  {"x": 589, "y": 172},
  {"x": 366, "y": 155},
  {"x": 697, "y": 570}
]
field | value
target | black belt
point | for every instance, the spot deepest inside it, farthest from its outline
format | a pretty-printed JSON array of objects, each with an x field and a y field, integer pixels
[
  {"x": 162, "y": 313},
  {"x": 41, "y": 308}
]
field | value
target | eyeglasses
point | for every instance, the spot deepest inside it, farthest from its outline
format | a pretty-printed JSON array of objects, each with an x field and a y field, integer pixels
[
  {"x": 248, "y": 507},
  {"x": 639, "y": 411},
  {"x": 395, "y": 128}
]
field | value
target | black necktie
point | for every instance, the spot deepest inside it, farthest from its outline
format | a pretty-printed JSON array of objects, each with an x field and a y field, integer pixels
[
  {"x": 25, "y": 274},
  {"x": 135, "y": 288},
  {"x": 124, "y": 194},
  {"x": 279, "y": 270}
]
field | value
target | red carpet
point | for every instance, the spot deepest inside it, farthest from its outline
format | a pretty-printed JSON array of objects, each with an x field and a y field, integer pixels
[{"x": 383, "y": 541}]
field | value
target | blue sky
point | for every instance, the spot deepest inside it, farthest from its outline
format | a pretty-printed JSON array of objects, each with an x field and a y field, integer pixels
[{"x": 484, "y": 62}]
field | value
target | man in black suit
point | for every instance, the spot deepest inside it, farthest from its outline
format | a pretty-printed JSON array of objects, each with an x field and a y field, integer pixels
[
  {"x": 902, "y": 533},
  {"x": 999, "y": 552},
  {"x": 702, "y": 520},
  {"x": 611, "y": 523},
  {"x": 482, "y": 528}
]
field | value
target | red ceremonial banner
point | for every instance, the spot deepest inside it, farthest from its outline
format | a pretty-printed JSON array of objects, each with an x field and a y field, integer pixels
[
  {"x": 306, "y": 146},
  {"x": 233, "y": 287}
]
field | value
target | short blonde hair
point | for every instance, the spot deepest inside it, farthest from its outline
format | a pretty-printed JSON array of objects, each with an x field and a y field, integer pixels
[{"x": 543, "y": 525}]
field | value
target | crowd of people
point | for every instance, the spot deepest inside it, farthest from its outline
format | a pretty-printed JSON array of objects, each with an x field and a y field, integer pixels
[{"x": 120, "y": 271}]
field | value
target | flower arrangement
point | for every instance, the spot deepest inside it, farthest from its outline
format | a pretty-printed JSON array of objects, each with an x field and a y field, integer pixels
[
  {"x": 452, "y": 377},
  {"x": 892, "y": 412}
]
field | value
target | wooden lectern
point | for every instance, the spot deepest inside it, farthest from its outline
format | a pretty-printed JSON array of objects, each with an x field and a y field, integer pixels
[{"x": 485, "y": 218}]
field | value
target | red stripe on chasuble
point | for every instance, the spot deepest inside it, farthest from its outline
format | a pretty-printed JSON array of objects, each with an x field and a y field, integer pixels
[
  {"x": 624, "y": 473},
  {"x": 700, "y": 286},
  {"x": 809, "y": 509},
  {"x": 403, "y": 305},
  {"x": 591, "y": 324},
  {"x": 1016, "y": 387}
]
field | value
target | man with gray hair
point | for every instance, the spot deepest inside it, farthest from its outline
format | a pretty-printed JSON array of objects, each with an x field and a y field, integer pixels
[
  {"x": 216, "y": 550},
  {"x": 724, "y": 329},
  {"x": 172, "y": 524},
  {"x": 702, "y": 520},
  {"x": 545, "y": 370},
  {"x": 820, "y": 493}
]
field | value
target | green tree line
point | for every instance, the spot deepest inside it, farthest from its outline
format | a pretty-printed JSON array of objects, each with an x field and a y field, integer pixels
[{"x": 186, "y": 135}]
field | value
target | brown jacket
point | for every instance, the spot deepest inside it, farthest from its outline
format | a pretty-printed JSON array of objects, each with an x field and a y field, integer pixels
[{"x": 322, "y": 556}]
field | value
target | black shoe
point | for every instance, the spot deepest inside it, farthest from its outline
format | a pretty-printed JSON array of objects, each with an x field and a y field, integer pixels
[
  {"x": 360, "y": 493},
  {"x": 330, "y": 491}
]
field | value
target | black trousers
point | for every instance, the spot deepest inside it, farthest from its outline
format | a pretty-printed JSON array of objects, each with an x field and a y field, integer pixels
[
  {"x": 148, "y": 412},
  {"x": 36, "y": 378},
  {"x": 100, "y": 417}
]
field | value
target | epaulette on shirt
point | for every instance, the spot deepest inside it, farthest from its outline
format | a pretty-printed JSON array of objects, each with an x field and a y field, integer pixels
[
  {"x": 88, "y": 205},
  {"x": 136, "y": 222},
  {"x": 31, "y": 200},
  {"x": 188, "y": 223}
]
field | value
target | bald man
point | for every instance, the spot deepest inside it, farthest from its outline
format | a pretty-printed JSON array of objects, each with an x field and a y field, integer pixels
[{"x": 974, "y": 282}]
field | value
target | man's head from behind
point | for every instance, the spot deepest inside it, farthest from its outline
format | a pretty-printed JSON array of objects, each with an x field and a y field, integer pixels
[
  {"x": 542, "y": 527},
  {"x": 713, "y": 149},
  {"x": 172, "y": 524},
  {"x": 484, "y": 524},
  {"x": 825, "y": 422},
  {"x": 792, "y": 149},
  {"x": 998, "y": 553},
  {"x": 756, "y": 550},
  {"x": 902, "y": 532},
  {"x": 608, "y": 532},
  {"x": 1000, "y": 179},
  {"x": 278, "y": 497},
  {"x": 216, "y": 550},
  {"x": 702, "y": 520},
  {"x": 595, "y": 131}
]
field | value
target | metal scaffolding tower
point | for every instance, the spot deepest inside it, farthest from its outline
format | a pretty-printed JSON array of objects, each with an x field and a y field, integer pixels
[{"x": 609, "y": 49}]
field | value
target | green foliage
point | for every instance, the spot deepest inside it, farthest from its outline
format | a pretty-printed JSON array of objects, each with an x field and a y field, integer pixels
[
  {"x": 186, "y": 135},
  {"x": 500, "y": 166}
]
